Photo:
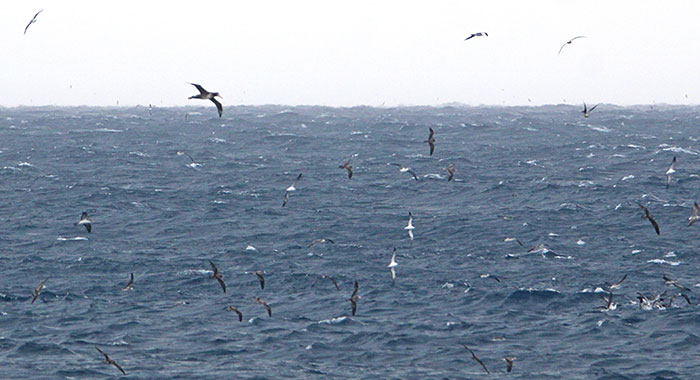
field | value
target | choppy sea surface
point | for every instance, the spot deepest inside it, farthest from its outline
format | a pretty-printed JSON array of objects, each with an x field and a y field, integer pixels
[{"x": 543, "y": 175}]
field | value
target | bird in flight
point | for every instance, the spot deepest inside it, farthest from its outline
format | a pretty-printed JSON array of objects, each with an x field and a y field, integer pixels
[
  {"x": 319, "y": 241},
  {"x": 38, "y": 290},
  {"x": 335, "y": 282},
  {"x": 204, "y": 94},
  {"x": 354, "y": 298},
  {"x": 130, "y": 284},
  {"x": 647, "y": 215},
  {"x": 290, "y": 189},
  {"x": 431, "y": 141},
  {"x": 671, "y": 170},
  {"x": 480, "y": 34},
  {"x": 31, "y": 22},
  {"x": 693, "y": 214},
  {"x": 235, "y": 309},
  {"x": 392, "y": 266},
  {"x": 269, "y": 309},
  {"x": 404, "y": 169},
  {"x": 218, "y": 276},
  {"x": 347, "y": 167},
  {"x": 569, "y": 43},
  {"x": 586, "y": 111},
  {"x": 85, "y": 221},
  {"x": 261, "y": 279},
  {"x": 477, "y": 359},
  {"x": 451, "y": 171},
  {"x": 108, "y": 360}
]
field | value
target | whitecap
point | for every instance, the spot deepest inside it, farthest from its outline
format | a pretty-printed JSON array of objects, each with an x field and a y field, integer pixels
[
  {"x": 332, "y": 321},
  {"x": 77, "y": 238},
  {"x": 636, "y": 251},
  {"x": 581, "y": 242},
  {"x": 676, "y": 149},
  {"x": 447, "y": 285},
  {"x": 628, "y": 177},
  {"x": 250, "y": 248},
  {"x": 662, "y": 261},
  {"x": 599, "y": 129},
  {"x": 670, "y": 254}
]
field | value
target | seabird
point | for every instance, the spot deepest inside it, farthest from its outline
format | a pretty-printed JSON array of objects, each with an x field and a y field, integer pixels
[
  {"x": 670, "y": 281},
  {"x": 586, "y": 111},
  {"x": 347, "y": 167},
  {"x": 259, "y": 274},
  {"x": 410, "y": 227},
  {"x": 269, "y": 309},
  {"x": 130, "y": 284},
  {"x": 671, "y": 170},
  {"x": 509, "y": 239},
  {"x": 354, "y": 298},
  {"x": 616, "y": 285},
  {"x": 204, "y": 94},
  {"x": 673, "y": 297},
  {"x": 85, "y": 221},
  {"x": 609, "y": 304},
  {"x": 289, "y": 190},
  {"x": 431, "y": 141},
  {"x": 451, "y": 171},
  {"x": 569, "y": 43},
  {"x": 31, "y": 22},
  {"x": 477, "y": 359},
  {"x": 480, "y": 34},
  {"x": 108, "y": 360},
  {"x": 218, "y": 276},
  {"x": 486, "y": 275},
  {"x": 319, "y": 241},
  {"x": 509, "y": 363},
  {"x": 403, "y": 169},
  {"x": 392, "y": 266},
  {"x": 180, "y": 153},
  {"x": 235, "y": 309},
  {"x": 693, "y": 214},
  {"x": 38, "y": 290},
  {"x": 647, "y": 215},
  {"x": 329, "y": 278}
]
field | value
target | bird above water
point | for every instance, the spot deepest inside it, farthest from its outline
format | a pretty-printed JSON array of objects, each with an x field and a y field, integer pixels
[
  {"x": 32, "y": 21},
  {"x": 130, "y": 284},
  {"x": 693, "y": 214},
  {"x": 108, "y": 360},
  {"x": 479, "y": 34},
  {"x": 37, "y": 290},
  {"x": 218, "y": 276},
  {"x": 586, "y": 111},
  {"x": 291, "y": 188},
  {"x": 85, "y": 221},
  {"x": 204, "y": 94},
  {"x": 450, "y": 171},
  {"x": 647, "y": 215},
  {"x": 671, "y": 170},
  {"x": 404, "y": 169},
  {"x": 431, "y": 140}
]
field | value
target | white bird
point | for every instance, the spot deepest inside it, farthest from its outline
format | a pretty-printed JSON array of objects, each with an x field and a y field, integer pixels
[
  {"x": 392, "y": 266},
  {"x": 410, "y": 227},
  {"x": 671, "y": 170},
  {"x": 290, "y": 189}
]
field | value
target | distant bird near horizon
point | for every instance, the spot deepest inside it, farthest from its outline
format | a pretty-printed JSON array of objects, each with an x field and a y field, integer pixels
[
  {"x": 647, "y": 215},
  {"x": 204, "y": 94},
  {"x": 431, "y": 140},
  {"x": 450, "y": 171},
  {"x": 32, "y": 21},
  {"x": 267, "y": 307},
  {"x": 569, "y": 43},
  {"x": 85, "y": 221},
  {"x": 477, "y": 359},
  {"x": 670, "y": 171},
  {"x": 693, "y": 214},
  {"x": 586, "y": 111},
  {"x": 37, "y": 290},
  {"x": 108, "y": 360},
  {"x": 479, "y": 34},
  {"x": 218, "y": 276},
  {"x": 291, "y": 188},
  {"x": 404, "y": 169},
  {"x": 354, "y": 298},
  {"x": 130, "y": 284}
]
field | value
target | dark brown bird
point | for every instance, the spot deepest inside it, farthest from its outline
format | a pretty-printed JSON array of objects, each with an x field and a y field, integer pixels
[
  {"x": 431, "y": 141},
  {"x": 354, "y": 298},
  {"x": 693, "y": 214},
  {"x": 130, "y": 284},
  {"x": 235, "y": 309},
  {"x": 509, "y": 363},
  {"x": 479, "y": 34},
  {"x": 451, "y": 171},
  {"x": 586, "y": 111},
  {"x": 108, "y": 360},
  {"x": 477, "y": 359},
  {"x": 218, "y": 276},
  {"x": 31, "y": 22},
  {"x": 269, "y": 309},
  {"x": 672, "y": 282},
  {"x": 647, "y": 215},
  {"x": 259, "y": 274},
  {"x": 204, "y": 94},
  {"x": 38, "y": 290},
  {"x": 616, "y": 285},
  {"x": 326, "y": 277},
  {"x": 347, "y": 167}
]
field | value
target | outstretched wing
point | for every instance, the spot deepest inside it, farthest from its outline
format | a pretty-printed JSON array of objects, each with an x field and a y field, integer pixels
[
  {"x": 219, "y": 107},
  {"x": 200, "y": 88}
]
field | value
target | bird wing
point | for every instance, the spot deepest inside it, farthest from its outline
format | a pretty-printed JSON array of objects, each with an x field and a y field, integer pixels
[
  {"x": 88, "y": 227},
  {"x": 349, "y": 171},
  {"x": 103, "y": 353},
  {"x": 413, "y": 174},
  {"x": 472, "y": 36},
  {"x": 430, "y": 135},
  {"x": 286, "y": 198},
  {"x": 395, "y": 164},
  {"x": 131, "y": 282},
  {"x": 262, "y": 281},
  {"x": 269, "y": 310},
  {"x": 334, "y": 283},
  {"x": 354, "y": 292},
  {"x": 213, "y": 267},
  {"x": 592, "y": 108},
  {"x": 354, "y": 305},
  {"x": 562, "y": 48},
  {"x": 118, "y": 367},
  {"x": 620, "y": 282},
  {"x": 653, "y": 223},
  {"x": 240, "y": 315},
  {"x": 577, "y": 37},
  {"x": 330, "y": 241},
  {"x": 219, "y": 107},
  {"x": 221, "y": 282},
  {"x": 200, "y": 88}
]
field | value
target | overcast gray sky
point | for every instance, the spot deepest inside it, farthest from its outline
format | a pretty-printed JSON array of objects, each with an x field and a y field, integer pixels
[{"x": 345, "y": 53}]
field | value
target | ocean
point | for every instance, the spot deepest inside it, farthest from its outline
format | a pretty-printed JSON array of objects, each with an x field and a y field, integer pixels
[{"x": 546, "y": 176}]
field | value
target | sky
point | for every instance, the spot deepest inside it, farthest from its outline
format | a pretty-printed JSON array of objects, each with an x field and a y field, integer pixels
[{"x": 347, "y": 53}]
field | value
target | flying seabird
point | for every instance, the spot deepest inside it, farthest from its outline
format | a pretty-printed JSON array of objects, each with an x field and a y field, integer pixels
[
  {"x": 319, "y": 241},
  {"x": 259, "y": 274},
  {"x": 569, "y": 42},
  {"x": 586, "y": 111},
  {"x": 130, "y": 284},
  {"x": 85, "y": 221},
  {"x": 235, "y": 309},
  {"x": 392, "y": 266},
  {"x": 647, "y": 215},
  {"x": 616, "y": 285},
  {"x": 693, "y": 214},
  {"x": 480, "y": 34},
  {"x": 670, "y": 281},
  {"x": 347, "y": 167},
  {"x": 269, "y": 309},
  {"x": 509, "y": 239},
  {"x": 410, "y": 227},
  {"x": 431, "y": 140},
  {"x": 31, "y": 22},
  {"x": 486, "y": 275},
  {"x": 673, "y": 297},
  {"x": 289, "y": 190},
  {"x": 671, "y": 170},
  {"x": 218, "y": 276},
  {"x": 326, "y": 277},
  {"x": 108, "y": 360},
  {"x": 451, "y": 171},
  {"x": 609, "y": 304},
  {"x": 354, "y": 298},
  {"x": 509, "y": 363},
  {"x": 403, "y": 169},
  {"x": 204, "y": 94},
  {"x": 180, "y": 153},
  {"x": 477, "y": 359},
  {"x": 38, "y": 290}
]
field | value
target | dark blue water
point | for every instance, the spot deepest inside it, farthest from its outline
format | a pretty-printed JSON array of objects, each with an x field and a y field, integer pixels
[{"x": 542, "y": 175}]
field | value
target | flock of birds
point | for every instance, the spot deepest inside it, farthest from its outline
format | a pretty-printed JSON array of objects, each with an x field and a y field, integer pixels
[{"x": 662, "y": 300}]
